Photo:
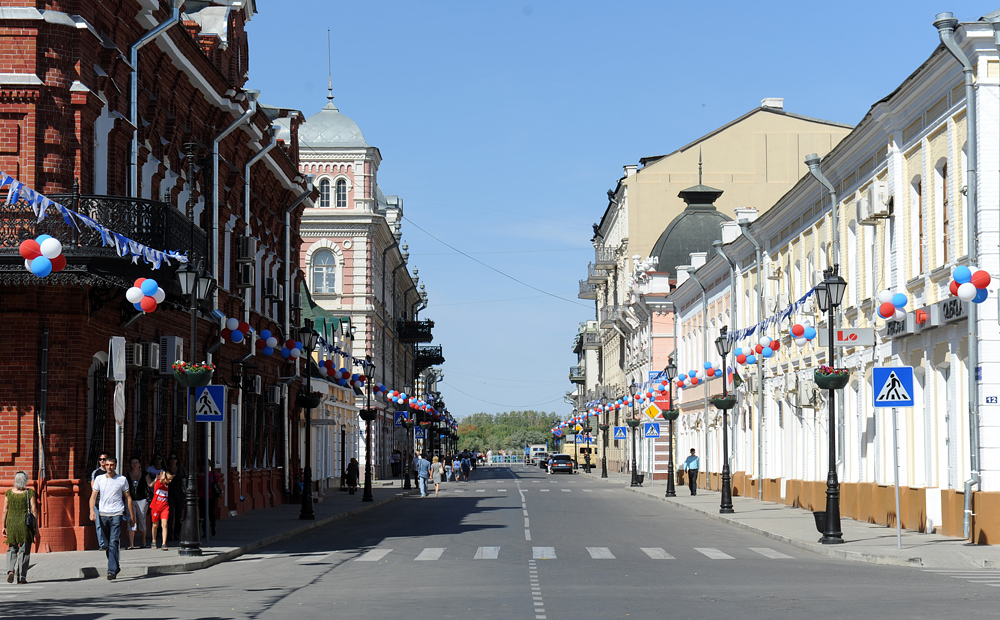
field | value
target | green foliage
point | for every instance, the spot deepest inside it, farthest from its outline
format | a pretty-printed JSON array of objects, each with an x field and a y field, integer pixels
[{"x": 505, "y": 431}]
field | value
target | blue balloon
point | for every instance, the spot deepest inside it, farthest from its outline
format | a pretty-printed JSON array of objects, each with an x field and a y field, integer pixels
[
  {"x": 402, "y": 396},
  {"x": 810, "y": 333},
  {"x": 265, "y": 334},
  {"x": 707, "y": 365},
  {"x": 237, "y": 335},
  {"x": 962, "y": 274},
  {"x": 41, "y": 238},
  {"x": 285, "y": 352},
  {"x": 692, "y": 373},
  {"x": 981, "y": 295},
  {"x": 342, "y": 382},
  {"x": 41, "y": 266},
  {"x": 767, "y": 352},
  {"x": 268, "y": 351},
  {"x": 751, "y": 359},
  {"x": 149, "y": 287},
  {"x": 899, "y": 300},
  {"x": 138, "y": 307},
  {"x": 298, "y": 345}
]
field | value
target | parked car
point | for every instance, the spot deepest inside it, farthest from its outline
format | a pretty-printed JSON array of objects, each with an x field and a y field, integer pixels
[
  {"x": 560, "y": 462},
  {"x": 541, "y": 459}
]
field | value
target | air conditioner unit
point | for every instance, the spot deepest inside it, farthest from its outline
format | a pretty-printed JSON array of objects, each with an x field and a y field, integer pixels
[
  {"x": 863, "y": 210},
  {"x": 151, "y": 355},
  {"x": 817, "y": 277},
  {"x": 246, "y": 249},
  {"x": 252, "y": 384},
  {"x": 244, "y": 276},
  {"x": 281, "y": 293},
  {"x": 878, "y": 200},
  {"x": 133, "y": 355},
  {"x": 296, "y": 301},
  {"x": 273, "y": 395},
  {"x": 270, "y": 288},
  {"x": 791, "y": 382},
  {"x": 171, "y": 350}
]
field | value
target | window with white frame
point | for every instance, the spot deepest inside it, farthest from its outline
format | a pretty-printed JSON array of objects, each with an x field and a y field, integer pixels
[
  {"x": 341, "y": 194},
  {"x": 942, "y": 206},
  {"x": 917, "y": 219},
  {"x": 324, "y": 193},
  {"x": 324, "y": 272}
]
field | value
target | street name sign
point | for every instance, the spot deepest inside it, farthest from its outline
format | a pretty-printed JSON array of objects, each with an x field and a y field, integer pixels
[
  {"x": 210, "y": 403},
  {"x": 620, "y": 432},
  {"x": 893, "y": 386},
  {"x": 652, "y": 411},
  {"x": 651, "y": 429}
]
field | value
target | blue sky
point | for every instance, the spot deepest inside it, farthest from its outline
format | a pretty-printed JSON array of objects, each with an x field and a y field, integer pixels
[{"x": 503, "y": 124}]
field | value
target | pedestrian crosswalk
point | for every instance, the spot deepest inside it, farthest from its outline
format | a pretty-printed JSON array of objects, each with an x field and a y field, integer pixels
[
  {"x": 984, "y": 577},
  {"x": 430, "y": 554}
]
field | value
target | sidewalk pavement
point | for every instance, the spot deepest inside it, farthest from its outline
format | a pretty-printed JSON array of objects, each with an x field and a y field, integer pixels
[
  {"x": 864, "y": 542},
  {"x": 238, "y": 535}
]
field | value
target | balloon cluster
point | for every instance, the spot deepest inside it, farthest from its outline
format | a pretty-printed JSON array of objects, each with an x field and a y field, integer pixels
[
  {"x": 803, "y": 333},
  {"x": 969, "y": 285},
  {"x": 235, "y": 330},
  {"x": 292, "y": 349},
  {"x": 42, "y": 255},
  {"x": 398, "y": 397},
  {"x": 343, "y": 376},
  {"x": 765, "y": 347},
  {"x": 145, "y": 294},
  {"x": 708, "y": 371},
  {"x": 890, "y": 305},
  {"x": 266, "y": 342}
]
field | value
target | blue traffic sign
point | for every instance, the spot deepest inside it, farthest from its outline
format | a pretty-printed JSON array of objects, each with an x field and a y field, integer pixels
[
  {"x": 398, "y": 417},
  {"x": 893, "y": 386},
  {"x": 419, "y": 434},
  {"x": 620, "y": 432},
  {"x": 579, "y": 439},
  {"x": 558, "y": 432},
  {"x": 209, "y": 404},
  {"x": 652, "y": 429}
]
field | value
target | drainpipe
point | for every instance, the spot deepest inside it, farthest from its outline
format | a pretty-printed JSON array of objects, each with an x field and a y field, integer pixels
[
  {"x": 704, "y": 335},
  {"x": 133, "y": 58},
  {"x": 385, "y": 252},
  {"x": 733, "y": 320},
  {"x": 252, "y": 97},
  {"x": 246, "y": 205},
  {"x": 945, "y": 23},
  {"x": 745, "y": 227}
]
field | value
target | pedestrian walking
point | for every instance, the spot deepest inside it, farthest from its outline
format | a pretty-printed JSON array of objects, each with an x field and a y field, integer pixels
[
  {"x": 353, "y": 473},
  {"x": 396, "y": 460},
  {"x": 456, "y": 467},
  {"x": 138, "y": 487},
  {"x": 176, "y": 496},
  {"x": 155, "y": 467},
  {"x": 691, "y": 464},
  {"x": 99, "y": 471},
  {"x": 423, "y": 474},
  {"x": 18, "y": 503},
  {"x": 159, "y": 508},
  {"x": 437, "y": 474},
  {"x": 466, "y": 465},
  {"x": 449, "y": 469},
  {"x": 214, "y": 487},
  {"x": 413, "y": 468},
  {"x": 112, "y": 490}
]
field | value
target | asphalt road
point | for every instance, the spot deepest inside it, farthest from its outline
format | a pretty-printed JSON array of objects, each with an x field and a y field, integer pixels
[{"x": 515, "y": 543}]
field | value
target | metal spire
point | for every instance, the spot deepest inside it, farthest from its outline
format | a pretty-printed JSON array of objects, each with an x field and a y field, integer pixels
[
  {"x": 329, "y": 64},
  {"x": 699, "y": 163}
]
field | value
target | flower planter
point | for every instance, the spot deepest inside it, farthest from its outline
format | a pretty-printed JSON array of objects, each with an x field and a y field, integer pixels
[
  {"x": 831, "y": 381},
  {"x": 587, "y": 429},
  {"x": 603, "y": 427},
  {"x": 308, "y": 401},
  {"x": 194, "y": 378},
  {"x": 670, "y": 414},
  {"x": 632, "y": 423},
  {"x": 369, "y": 415},
  {"x": 725, "y": 403}
]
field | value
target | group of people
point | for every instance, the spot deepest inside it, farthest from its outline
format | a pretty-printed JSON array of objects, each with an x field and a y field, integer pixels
[{"x": 450, "y": 467}]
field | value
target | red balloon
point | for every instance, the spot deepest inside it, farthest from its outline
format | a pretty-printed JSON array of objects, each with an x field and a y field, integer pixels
[
  {"x": 798, "y": 330},
  {"x": 981, "y": 279},
  {"x": 758, "y": 348},
  {"x": 328, "y": 364},
  {"x": 30, "y": 249},
  {"x": 226, "y": 333},
  {"x": 953, "y": 287},
  {"x": 710, "y": 372},
  {"x": 694, "y": 380},
  {"x": 244, "y": 327},
  {"x": 260, "y": 344},
  {"x": 775, "y": 345},
  {"x": 148, "y": 304},
  {"x": 741, "y": 359},
  {"x": 362, "y": 378},
  {"x": 886, "y": 310},
  {"x": 138, "y": 283},
  {"x": 289, "y": 344},
  {"x": 58, "y": 263}
]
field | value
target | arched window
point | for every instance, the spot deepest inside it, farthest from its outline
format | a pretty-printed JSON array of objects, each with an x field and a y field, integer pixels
[
  {"x": 324, "y": 268},
  {"x": 917, "y": 213},
  {"x": 324, "y": 193},
  {"x": 341, "y": 194},
  {"x": 944, "y": 225}
]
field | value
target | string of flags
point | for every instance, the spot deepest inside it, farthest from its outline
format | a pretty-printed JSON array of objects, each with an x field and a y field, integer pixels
[
  {"x": 771, "y": 320},
  {"x": 122, "y": 244}
]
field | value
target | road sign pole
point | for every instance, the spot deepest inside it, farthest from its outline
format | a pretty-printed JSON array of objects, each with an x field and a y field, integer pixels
[{"x": 895, "y": 473}]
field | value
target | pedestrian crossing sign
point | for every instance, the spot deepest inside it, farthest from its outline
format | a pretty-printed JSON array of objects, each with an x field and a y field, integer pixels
[
  {"x": 398, "y": 417},
  {"x": 579, "y": 439},
  {"x": 210, "y": 403},
  {"x": 419, "y": 434},
  {"x": 652, "y": 411},
  {"x": 893, "y": 386},
  {"x": 651, "y": 429},
  {"x": 620, "y": 432}
]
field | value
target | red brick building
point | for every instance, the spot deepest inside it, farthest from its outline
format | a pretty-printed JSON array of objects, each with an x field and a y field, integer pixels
[{"x": 165, "y": 163}]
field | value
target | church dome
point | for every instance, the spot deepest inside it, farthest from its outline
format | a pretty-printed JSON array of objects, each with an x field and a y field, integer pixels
[
  {"x": 328, "y": 128},
  {"x": 694, "y": 230}
]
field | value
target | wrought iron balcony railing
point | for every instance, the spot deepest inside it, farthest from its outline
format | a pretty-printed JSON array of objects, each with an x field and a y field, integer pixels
[
  {"x": 606, "y": 258},
  {"x": 577, "y": 374},
  {"x": 588, "y": 290},
  {"x": 427, "y": 357},
  {"x": 591, "y": 340},
  {"x": 415, "y": 331}
]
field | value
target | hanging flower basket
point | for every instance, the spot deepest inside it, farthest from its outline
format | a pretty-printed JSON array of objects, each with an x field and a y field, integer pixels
[
  {"x": 670, "y": 414},
  {"x": 632, "y": 423},
  {"x": 369, "y": 415},
  {"x": 425, "y": 424},
  {"x": 193, "y": 375},
  {"x": 588, "y": 429},
  {"x": 829, "y": 378},
  {"x": 407, "y": 423},
  {"x": 724, "y": 402},
  {"x": 308, "y": 400},
  {"x": 603, "y": 427}
]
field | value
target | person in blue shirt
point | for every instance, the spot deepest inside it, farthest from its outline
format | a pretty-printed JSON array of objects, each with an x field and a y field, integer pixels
[
  {"x": 691, "y": 464},
  {"x": 423, "y": 474}
]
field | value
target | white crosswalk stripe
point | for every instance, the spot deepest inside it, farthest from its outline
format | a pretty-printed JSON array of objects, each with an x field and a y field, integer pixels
[
  {"x": 566, "y": 490},
  {"x": 713, "y": 553},
  {"x": 487, "y": 553},
  {"x": 984, "y": 577},
  {"x": 544, "y": 490},
  {"x": 430, "y": 554},
  {"x": 588, "y": 490},
  {"x": 770, "y": 553},
  {"x": 480, "y": 490},
  {"x": 656, "y": 553},
  {"x": 310, "y": 558},
  {"x": 600, "y": 553},
  {"x": 543, "y": 553},
  {"x": 374, "y": 555}
]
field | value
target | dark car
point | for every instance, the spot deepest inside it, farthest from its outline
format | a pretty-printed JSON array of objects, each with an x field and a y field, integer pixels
[{"x": 560, "y": 462}]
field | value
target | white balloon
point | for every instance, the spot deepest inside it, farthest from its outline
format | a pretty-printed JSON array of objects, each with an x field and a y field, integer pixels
[
  {"x": 764, "y": 341},
  {"x": 717, "y": 365},
  {"x": 885, "y": 297},
  {"x": 232, "y": 323},
  {"x": 51, "y": 248},
  {"x": 967, "y": 291},
  {"x": 27, "y": 264},
  {"x": 899, "y": 315},
  {"x": 701, "y": 374},
  {"x": 294, "y": 353},
  {"x": 160, "y": 295},
  {"x": 322, "y": 370},
  {"x": 272, "y": 342},
  {"x": 801, "y": 342},
  {"x": 134, "y": 295}
]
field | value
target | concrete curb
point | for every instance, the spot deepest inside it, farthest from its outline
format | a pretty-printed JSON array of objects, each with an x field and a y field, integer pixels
[{"x": 201, "y": 562}]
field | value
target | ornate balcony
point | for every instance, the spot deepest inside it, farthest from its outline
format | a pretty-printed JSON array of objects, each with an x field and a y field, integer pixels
[
  {"x": 415, "y": 331},
  {"x": 594, "y": 276},
  {"x": 158, "y": 225},
  {"x": 427, "y": 357},
  {"x": 577, "y": 374},
  {"x": 606, "y": 259},
  {"x": 591, "y": 341},
  {"x": 588, "y": 290}
]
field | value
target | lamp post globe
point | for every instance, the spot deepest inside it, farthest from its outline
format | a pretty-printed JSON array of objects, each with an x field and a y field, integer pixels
[
  {"x": 633, "y": 390},
  {"x": 671, "y": 373}
]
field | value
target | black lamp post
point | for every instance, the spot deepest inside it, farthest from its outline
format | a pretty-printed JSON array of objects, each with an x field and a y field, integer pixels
[
  {"x": 308, "y": 337},
  {"x": 633, "y": 390},
  {"x": 368, "y": 414},
  {"x": 197, "y": 285},
  {"x": 723, "y": 346},
  {"x": 829, "y": 294},
  {"x": 604, "y": 428},
  {"x": 671, "y": 372},
  {"x": 408, "y": 424}
]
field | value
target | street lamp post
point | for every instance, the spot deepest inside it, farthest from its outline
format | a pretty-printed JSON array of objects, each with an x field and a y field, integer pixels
[
  {"x": 633, "y": 390},
  {"x": 368, "y": 414},
  {"x": 198, "y": 286},
  {"x": 408, "y": 458},
  {"x": 723, "y": 346},
  {"x": 671, "y": 373},
  {"x": 604, "y": 428},
  {"x": 829, "y": 294},
  {"x": 308, "y": 337}
]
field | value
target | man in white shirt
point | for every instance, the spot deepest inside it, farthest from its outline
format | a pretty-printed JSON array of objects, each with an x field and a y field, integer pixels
[{"x": 112, "y": 490}]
